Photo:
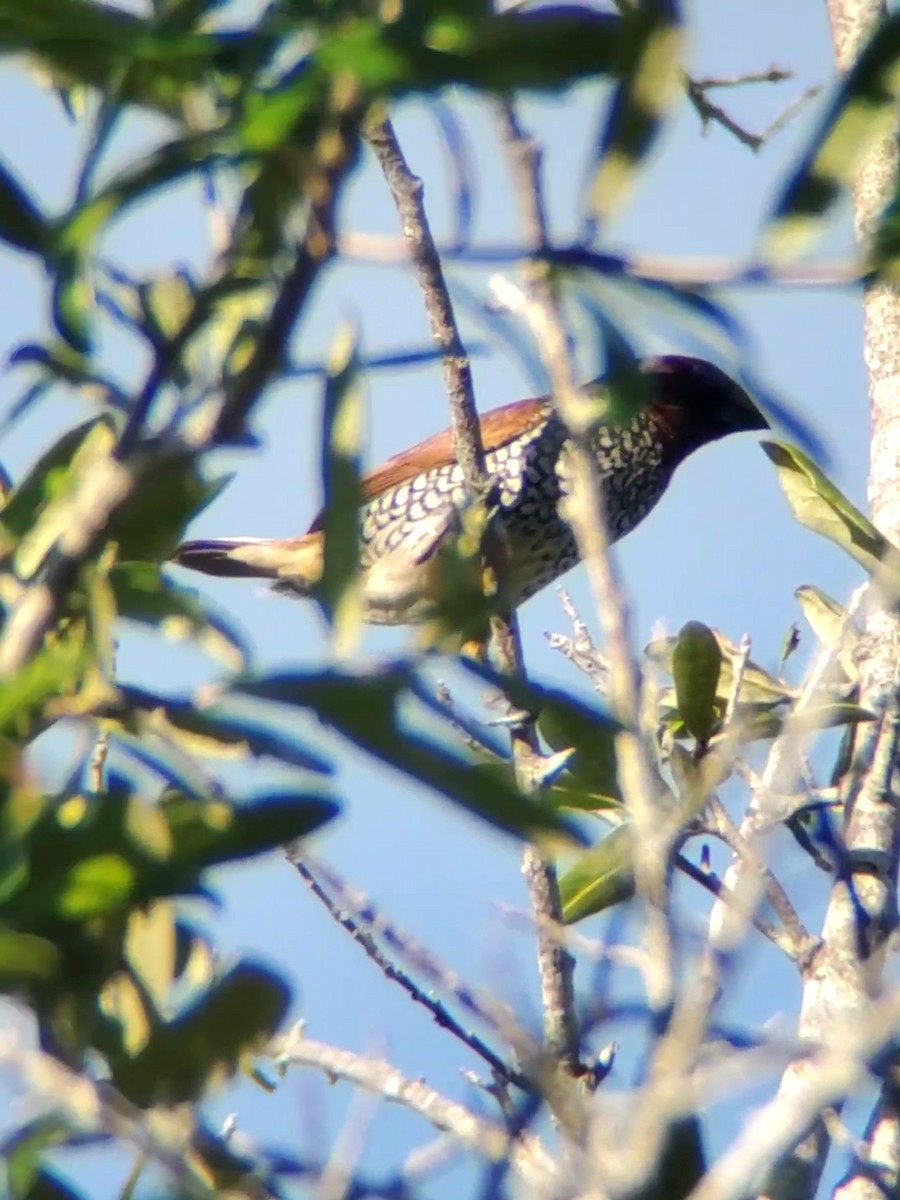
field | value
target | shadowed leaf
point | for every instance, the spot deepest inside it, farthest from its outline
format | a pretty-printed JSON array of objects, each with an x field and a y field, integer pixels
[
  {"x": 203, "y": 1045},
  {"x": 696, "y": 666}
]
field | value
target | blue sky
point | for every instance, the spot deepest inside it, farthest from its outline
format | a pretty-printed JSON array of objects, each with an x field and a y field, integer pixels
[{"x": 721, "y": 548}]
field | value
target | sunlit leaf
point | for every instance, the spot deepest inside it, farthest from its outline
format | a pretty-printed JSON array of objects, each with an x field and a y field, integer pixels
[
  {"x": 212, "y": 730},
  {"x": 206, "y": 833},
  {"x": 757, "y": 685},
  {"x": 820, "y": 506},
  {"x": 830, "y": 623},
  {"x": 25, "y": 958},
  {"x": 651, "y": 77}
]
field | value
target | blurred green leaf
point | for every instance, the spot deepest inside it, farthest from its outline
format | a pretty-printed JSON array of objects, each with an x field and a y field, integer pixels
[
  {"x": 204, "y": 1044},
  {"x": 151, "y": 523},
  {"x": 42, "y": 483},
  {"x": 696, "y": 666},
  {"x": 21, "y": 222},
  {"x": 342, "y": 434},
  {"x": 650, "y": 79},
  {"x": 758, "y": 725},
  {"x": 56, "y": 671},
  {"x": 96, "y": 885},
  {"x": 23, "y": 1150},
  {"x": 862, "y": 111},
  {"x": 592, "y": 735},
  {"x": 599, "y": 878},
  {"x": 142, "y": 593},
  {"x": 206, "y": 833},
  {"x": 364, "y": 707},
  {"x": 93, "y": 44},
  {"x": 823, "y": 508},
  {"x": 211, "y": 730}
]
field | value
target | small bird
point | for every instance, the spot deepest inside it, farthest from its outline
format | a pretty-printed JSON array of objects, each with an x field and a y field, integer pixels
[{"x": 412, "y": 504}]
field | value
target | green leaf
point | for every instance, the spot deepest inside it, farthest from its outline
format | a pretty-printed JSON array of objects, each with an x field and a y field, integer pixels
[
  {"x": 364, "y": 707},
  {"x": 823, "y": 508},
  {"x": 21, "y": 222},
  {"x": 54, "y": 672},
  {"x": 25, "y": 958},
  {"x": 830, "y": 624},
  {"x": 43, "y": 481},
  {"x": 696, "y": 667},
  {"x": 651, "y": 77},
  {"x": 24, "y": 1149},
  {"x": 342, "y": 433},
  {"x": 206, "y": 833},
  {"x": 205, "y": 1044},
  {"x": 862, "y": 112},
  {"x": 600, "y": 878},
  {"x": 758, "y": 725},
  {"x": 592, "y": 771},
  {"x": 142, "y": 593},
  {"x": 757, "y": 685}
]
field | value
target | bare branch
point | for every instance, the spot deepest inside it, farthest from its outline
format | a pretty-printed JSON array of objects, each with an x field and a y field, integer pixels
[
  {"x": 555, "y": 965},
  {"x": 487, "y": 1138}
]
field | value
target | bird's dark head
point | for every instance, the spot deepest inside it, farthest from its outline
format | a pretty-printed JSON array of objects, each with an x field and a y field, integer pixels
[{"x": 699, "y": 402}]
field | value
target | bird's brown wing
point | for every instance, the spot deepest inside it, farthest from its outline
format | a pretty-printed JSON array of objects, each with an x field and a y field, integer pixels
[{"x": 499, "y": 426}]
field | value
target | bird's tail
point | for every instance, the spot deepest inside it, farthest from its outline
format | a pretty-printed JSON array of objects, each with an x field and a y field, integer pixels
[{"x": 293, "y": 563}]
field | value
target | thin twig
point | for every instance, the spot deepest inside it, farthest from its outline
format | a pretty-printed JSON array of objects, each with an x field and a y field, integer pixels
[
  {"x": 693, "y": 273},
  {"x": 408, "y": 192},
  {"x": 358, "y": 918},
  {"x": 486, "y": 1138}
]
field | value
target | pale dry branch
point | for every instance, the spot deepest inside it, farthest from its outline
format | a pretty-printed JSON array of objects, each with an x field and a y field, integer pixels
[{"x": 488, "y": 1139}]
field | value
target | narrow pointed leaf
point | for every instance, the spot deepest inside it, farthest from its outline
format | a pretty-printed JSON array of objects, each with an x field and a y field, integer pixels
[
  {"x": 600, "y": 878},
  {"x": 22, "y": 224}
]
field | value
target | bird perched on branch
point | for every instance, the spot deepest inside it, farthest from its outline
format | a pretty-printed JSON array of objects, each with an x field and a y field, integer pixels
[{"x": 412, "y": 504}]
